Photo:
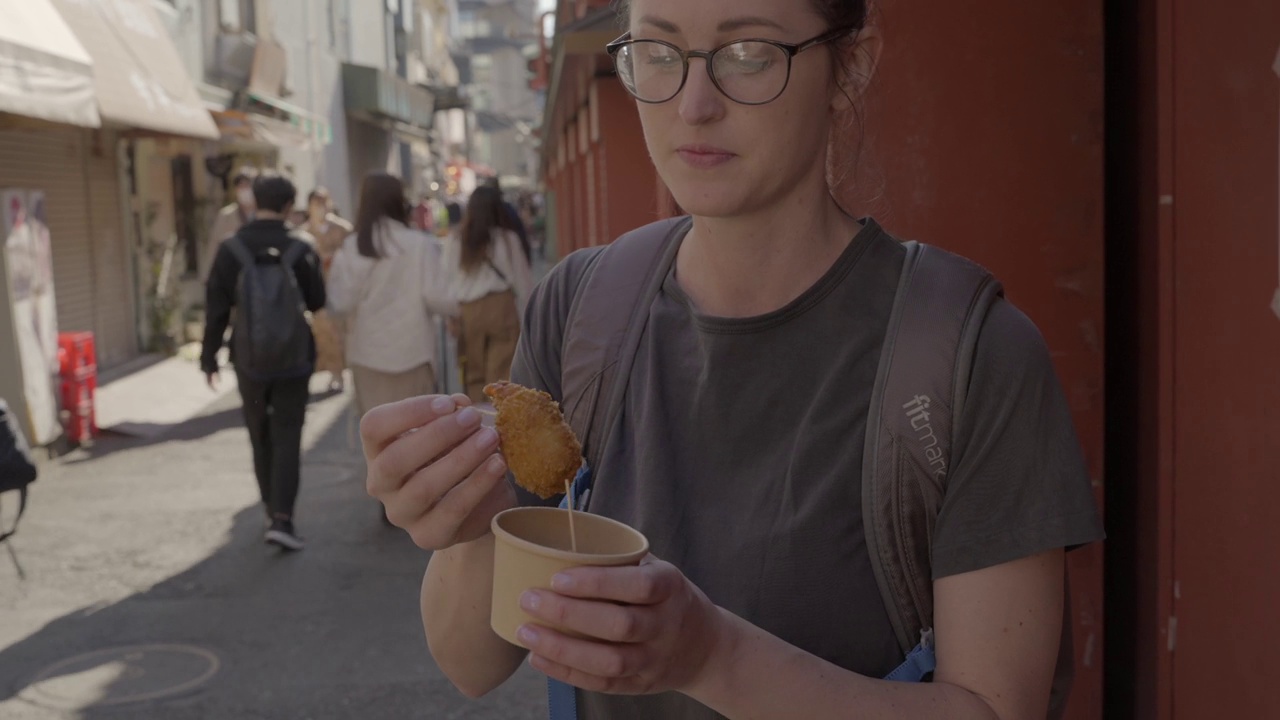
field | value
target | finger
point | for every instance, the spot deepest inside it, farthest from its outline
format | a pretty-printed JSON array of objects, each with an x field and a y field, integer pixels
[
  {"x": 422, "y": 492},
  {"x": 391, "y": 468},
  {"x": 592, "y": 658},
  {"x": 649, "y": 583},
  {"x": 384, "y": 424},
  {"x": 601, "y": 620},
  {"x": 444, "y": 525},
  {"x": 453, "y": 506}
]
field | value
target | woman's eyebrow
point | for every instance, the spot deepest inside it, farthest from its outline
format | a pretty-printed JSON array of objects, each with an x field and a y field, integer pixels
[
  {"x": 748, "y": 21},
  {"x": 729, "y": 25}
]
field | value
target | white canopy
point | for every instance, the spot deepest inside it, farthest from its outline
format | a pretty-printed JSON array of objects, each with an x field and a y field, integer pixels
[{"x": 44, "y": 70}]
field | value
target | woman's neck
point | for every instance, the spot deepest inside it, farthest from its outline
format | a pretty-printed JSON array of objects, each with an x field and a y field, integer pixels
[{"x": 755, "y": 264}]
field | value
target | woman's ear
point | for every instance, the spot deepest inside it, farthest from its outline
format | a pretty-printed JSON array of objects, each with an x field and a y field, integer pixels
[{"x": 858, "y": 63}]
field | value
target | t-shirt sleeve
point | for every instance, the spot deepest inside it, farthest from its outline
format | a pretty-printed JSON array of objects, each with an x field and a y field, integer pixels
[
  {"x": 1020, "y": 485},
  {"x": 537, "y": 360}
]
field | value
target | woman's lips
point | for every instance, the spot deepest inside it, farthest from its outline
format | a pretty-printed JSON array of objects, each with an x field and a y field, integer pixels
[{"x": 704, "y": 157}]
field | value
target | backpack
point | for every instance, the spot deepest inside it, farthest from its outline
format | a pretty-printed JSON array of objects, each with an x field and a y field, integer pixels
[
  {"x": 17, "y": 466},
  {"x": 938, "y": 312},
  {"x": 270, "y": 335}
]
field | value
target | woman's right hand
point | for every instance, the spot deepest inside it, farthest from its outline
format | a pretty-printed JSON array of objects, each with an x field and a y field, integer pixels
[{"x": 435, "y": 469}]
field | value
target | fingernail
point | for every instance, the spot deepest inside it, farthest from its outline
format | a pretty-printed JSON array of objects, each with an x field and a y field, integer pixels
[
  {"x": 497, "y": 464},
  {"x": 486, "y": 438},
  {"x": 530, "y": 600},
  {"x": 527, "y": 635},
  {"x": 561, "y": 582},
  {"x": 468, "y": 417},
  {"x": 442, "y": 405}
]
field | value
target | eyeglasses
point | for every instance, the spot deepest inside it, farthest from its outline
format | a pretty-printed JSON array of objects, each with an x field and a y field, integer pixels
[{"x": 748, "y": 72}]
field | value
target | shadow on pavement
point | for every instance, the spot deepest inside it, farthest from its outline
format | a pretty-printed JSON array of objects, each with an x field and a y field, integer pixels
[
  {"x": 331, "y": 632},
  {"x": 146, "y": 434}
]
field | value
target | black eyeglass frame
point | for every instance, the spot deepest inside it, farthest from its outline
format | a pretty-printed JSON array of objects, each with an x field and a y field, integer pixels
[{"x": 790, "y": 49}]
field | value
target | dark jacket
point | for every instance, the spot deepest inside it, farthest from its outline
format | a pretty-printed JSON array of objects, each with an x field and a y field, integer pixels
[{"x": 220, "y": 291}]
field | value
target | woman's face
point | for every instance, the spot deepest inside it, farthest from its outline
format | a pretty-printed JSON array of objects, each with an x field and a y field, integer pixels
[{"x": 721, "y": 158}]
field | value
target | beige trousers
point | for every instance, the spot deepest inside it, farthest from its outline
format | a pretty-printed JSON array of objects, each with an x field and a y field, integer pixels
[
  {"x": 487, "y": 342},
  {"x": 374, "y": 387}
]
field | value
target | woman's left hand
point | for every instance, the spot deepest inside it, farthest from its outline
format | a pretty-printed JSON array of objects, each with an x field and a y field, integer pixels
[{"x": 652, "y": 630}]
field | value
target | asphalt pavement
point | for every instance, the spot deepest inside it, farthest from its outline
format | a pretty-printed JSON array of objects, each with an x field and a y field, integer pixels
[{"x": 139, "y": 587}]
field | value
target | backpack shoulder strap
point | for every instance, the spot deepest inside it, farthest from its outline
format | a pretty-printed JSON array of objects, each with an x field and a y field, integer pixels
[
  {"x": 607, "y": 317},
  {"x": 941, "y": 303},
  {"x": 240, "y": 251}
]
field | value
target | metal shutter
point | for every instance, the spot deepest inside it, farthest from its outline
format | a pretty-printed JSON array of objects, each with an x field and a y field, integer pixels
[{"x": 52, "y": 160}]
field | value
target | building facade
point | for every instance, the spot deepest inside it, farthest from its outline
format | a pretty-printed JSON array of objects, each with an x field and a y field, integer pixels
[{"x": 498, "y": 39}]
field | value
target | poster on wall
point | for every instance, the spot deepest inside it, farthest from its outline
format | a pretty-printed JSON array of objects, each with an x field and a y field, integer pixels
[
  {"x": 29, "y": 274},
  {"x": 46, "y": 304}
]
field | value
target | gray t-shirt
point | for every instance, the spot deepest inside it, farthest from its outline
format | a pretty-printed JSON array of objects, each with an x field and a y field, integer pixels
[{"x": 739, "y": 455}]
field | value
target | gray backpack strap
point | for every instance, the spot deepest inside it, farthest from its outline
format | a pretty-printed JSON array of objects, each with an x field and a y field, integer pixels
[
  {"x": 607, "y": 317},
  {"x": 941, "y": 303},
  {"x": 240, "y": 251}
]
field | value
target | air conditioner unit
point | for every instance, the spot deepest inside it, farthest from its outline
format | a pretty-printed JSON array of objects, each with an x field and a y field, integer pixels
[{"x": 234, "y": 57}]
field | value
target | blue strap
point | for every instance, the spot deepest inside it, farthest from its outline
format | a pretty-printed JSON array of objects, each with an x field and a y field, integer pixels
[
  {"x": 581, "y": 489},
  {"x": 562, "y": 699},
  {"x": 920, "y": 663}
]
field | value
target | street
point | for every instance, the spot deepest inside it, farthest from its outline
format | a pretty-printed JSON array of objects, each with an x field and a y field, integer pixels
[{"x": 148, "y": 592}]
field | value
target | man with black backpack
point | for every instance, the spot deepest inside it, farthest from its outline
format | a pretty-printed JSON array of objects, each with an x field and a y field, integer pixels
[{"x": 271, "y": 276}]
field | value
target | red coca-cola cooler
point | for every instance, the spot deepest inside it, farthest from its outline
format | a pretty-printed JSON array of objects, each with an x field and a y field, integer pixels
[{"x": 78, "y": 371}]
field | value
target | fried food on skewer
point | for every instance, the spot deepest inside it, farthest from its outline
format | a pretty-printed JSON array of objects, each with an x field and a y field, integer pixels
[{"x": 539, "y": 445}]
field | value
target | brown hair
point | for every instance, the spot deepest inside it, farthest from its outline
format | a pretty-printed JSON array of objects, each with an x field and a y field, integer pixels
[
  {"x": 843, "y": 154},
  {"x": 483, "y": 216},
  {"x": 381, "y": 196}
]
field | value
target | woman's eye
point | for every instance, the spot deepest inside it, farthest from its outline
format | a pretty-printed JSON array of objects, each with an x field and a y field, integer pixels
[{"x": 748, "y": 58}]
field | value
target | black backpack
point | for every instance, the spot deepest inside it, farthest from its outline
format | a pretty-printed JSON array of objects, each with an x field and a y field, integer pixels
[
  {"x": 270, "y": 335},
  {"x": 17, "y": 466}
]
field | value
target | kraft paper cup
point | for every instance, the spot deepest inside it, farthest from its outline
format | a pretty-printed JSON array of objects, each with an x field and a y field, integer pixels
[{"x": 532, "y": 544}]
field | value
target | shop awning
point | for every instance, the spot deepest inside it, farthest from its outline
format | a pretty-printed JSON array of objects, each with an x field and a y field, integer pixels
[
  {"x": 140, "y": 79},
  {"x": 44, "y": 70}
]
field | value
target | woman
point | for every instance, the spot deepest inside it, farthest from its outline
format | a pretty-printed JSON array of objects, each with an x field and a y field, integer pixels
[
  {"x": 491, "y": 284},
  {"x": 387, "y": 283},
  {"x": 328, "y": 231},
  {"x": 739, "y": 448}
]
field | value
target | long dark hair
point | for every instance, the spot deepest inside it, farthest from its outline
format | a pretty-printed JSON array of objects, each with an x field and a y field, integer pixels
[
  {"x": 483, "y": 216},
  {"x": 381, "y": 196}
]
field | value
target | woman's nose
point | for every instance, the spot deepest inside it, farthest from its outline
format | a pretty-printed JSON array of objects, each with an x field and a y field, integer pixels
[{"x": 700, "y": 100}]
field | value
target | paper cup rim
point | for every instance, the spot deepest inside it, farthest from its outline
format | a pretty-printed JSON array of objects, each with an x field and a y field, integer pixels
[{"x": 505, "y": 536}]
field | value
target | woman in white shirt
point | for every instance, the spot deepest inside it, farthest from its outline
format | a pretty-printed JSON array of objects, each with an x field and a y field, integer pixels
[
  {"x": 387, "y": 282},
  {"x": 491, "y": 284}
]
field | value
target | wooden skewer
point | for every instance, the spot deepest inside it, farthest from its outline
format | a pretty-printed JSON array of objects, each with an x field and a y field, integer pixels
[{"x": 573, "y": 535}]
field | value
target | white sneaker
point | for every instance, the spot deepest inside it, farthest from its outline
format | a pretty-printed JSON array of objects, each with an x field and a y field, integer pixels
[{"x": 283, "y": 535}]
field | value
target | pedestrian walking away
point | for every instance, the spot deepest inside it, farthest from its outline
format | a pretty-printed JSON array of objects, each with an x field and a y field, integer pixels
[
  {"x": 491, "y": 281},
  {"x": 328, "y": 231},
  {"x": 269, "y": 276},
  {"x": 233, "y": 216},
  {"x": 851, "y": 456},
  {"x": 388, "y": 285}
]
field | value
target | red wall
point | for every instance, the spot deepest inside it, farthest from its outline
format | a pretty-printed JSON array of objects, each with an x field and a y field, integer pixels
[
  {"x": 986, "y": 127},
  {"x": 1226, "y": 357},
  {"x": 610, "y": 188},
  {"x": 631, "y": 199}
]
